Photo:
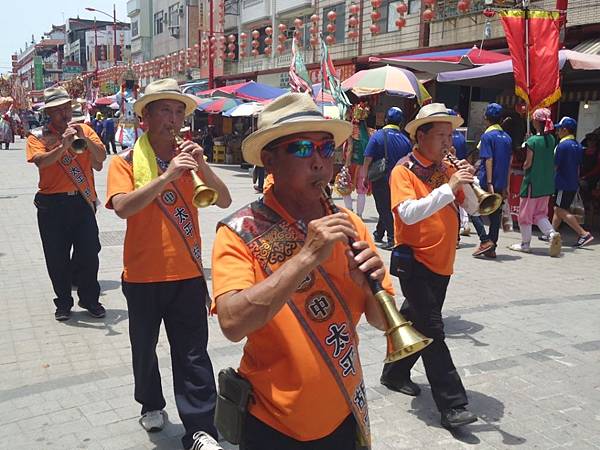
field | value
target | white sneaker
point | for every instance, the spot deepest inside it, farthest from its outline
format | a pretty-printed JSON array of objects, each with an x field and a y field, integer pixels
[
  {"x": 520, "y": 248},
  {"x": 466, "y": 231},
  {"x": 153, "y": 420},
  {"x": 204, "y": 441},
  {"x": 555, "y": 244}
]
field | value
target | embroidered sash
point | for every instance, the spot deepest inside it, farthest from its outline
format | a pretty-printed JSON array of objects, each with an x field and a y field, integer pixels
[
  {"x": 317, "y": 303},
  {"x": 176, "y": 210},
  {"x": 70, "y": 166}
]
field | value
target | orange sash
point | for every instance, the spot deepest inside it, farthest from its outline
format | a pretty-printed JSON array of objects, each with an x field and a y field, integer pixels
[{"x": 317, "y": 303}]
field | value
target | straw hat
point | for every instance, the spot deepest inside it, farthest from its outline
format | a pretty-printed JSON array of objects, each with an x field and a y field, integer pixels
[
  {"x": 434, "y": 112},
  {"x": 55, "y": 96},
  {"x": 78, "y": 115},
  {"x": 289, "y": 114},
  {"x": 165, "y": 89}
]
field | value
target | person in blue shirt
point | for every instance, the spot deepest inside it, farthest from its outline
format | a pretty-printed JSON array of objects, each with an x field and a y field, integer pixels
[
  {"x": 495, "y": 152},
  {"x": 458, "y": 141},
  {"x": 567, "y": 161},
  {"x": 392, "y": 144},
  {"x": 108, "y": 134}
]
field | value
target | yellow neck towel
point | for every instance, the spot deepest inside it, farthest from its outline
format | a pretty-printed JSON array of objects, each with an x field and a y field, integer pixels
[{"x": 145, "y": 168}]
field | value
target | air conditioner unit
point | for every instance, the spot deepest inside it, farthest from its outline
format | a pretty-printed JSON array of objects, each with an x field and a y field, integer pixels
[{"x": 174, "y": 31}]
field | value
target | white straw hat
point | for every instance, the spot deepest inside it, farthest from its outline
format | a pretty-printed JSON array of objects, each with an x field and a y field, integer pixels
[{"x": 165, "y": 89}]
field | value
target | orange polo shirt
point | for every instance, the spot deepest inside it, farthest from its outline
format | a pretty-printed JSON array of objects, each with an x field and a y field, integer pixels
[
  {"x": 294, "y": 390},
  {"x": 154, "y": 250},
  {"x": 53, "y": 178},
  {"x": 433, "y": 239}
]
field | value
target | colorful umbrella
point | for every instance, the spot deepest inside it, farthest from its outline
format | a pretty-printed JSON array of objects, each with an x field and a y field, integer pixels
[
  {"x": 249, "y": 90},
  {"x": 444, "y": 61},
  {"x": 392, "y": 80},
  {"x": 219, "y": 104},
  {"x": 245, "y": 110},
  {"x": 105, "y": 101}
]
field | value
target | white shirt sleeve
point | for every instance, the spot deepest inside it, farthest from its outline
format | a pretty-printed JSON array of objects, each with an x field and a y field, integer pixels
[{"x": 413, "y": 211}]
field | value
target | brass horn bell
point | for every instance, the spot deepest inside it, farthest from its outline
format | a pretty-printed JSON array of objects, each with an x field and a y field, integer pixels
[
  {"x": 79, "y": 145},
  {"x": 402, "y": 338}
]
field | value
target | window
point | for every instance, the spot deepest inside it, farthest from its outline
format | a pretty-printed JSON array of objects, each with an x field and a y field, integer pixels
[
  {"x": 414, "y": 6},
  {"x": 159, "y": 21},
  {"x": 174, "y": 15},
  {"x": 134, "y": 28},
  {"x": 340, "y": 22}
]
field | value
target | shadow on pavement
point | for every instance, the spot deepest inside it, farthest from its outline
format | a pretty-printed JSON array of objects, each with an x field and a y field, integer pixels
[
  {"x": 457, "y": 328},
  {"x": 170, "y": 436},
  {"x": 109, "y": 285},
  {"x": 81, "y": 319},
  {"x": 488, "y": 409}
]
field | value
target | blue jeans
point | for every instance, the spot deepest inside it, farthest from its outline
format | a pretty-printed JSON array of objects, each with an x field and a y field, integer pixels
[{"x": 494, "y": 230}]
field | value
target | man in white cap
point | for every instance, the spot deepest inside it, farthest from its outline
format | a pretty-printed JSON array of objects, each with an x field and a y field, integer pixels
[
  {"x": 426, "y": 191},
  {"x": 151, "y": 186},
  {"x": 66, "y": 203},
  {"x": 285, "y": 279}
]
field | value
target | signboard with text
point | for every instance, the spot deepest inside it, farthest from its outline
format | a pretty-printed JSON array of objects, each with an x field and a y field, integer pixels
[{"x": 38, "y": 73}]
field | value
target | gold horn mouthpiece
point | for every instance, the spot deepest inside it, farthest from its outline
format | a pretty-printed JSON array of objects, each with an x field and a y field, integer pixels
[{"x": 203, "y": 195}]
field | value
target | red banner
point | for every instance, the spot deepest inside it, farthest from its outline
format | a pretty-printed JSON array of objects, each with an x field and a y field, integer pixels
[{"x": 543, "y": 27}]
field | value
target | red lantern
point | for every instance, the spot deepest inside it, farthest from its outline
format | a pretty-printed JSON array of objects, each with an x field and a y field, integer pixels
[
  {"x": 242, "y": 54},
  {"x": 427, "y": 15},
  {"x": 463, "y": 6},
  {"x": 280, "y": 48},
  {"x": 298, "y": 23},
  {"x": 213, "y": 40},
  {"x": 374, "y": 29},
  {"x": 255, "y": 44},
  {"x": 281, "y": 38},
  {"x": 429, "y": 3},
  {"x": 330, "y": 39},
  {"x": 402, "y": 9},
  {"x": 313, "y": 41},
  {"x": 331, "y": 16},
  {"x": 314, "y": 18},
  {"x": 268, "y": 41},
  {"x": 231, "y": 38},
  {"x": 254, "y": 52},
  {"x": 375, "y": 15},
  {"x": 314, "y": 30},
  {"x": 353, "y": 34},
  {"x": 354, "y": 8},
  {"x": 255, "y": 34},
  {"x": 352, "y": 21},
  {"x": 243, "y": 36},
  {"x": 268, "y": 51},
  {"x": 230, "y": 55},
  {"x": 330, "y": 28},
  {"x": 243, "y": 44},
  {"x": 282, "y": 27},
  {"x": 231, "y": 47},
  {"x": 489, "y": 12},
  {"x": 269, "y": 31},
  {"x": 401, "y": 22},
  {"x": 376, "y": 3}
]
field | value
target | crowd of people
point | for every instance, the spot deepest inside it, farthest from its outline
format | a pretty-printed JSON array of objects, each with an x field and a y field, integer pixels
[{"x": 290, "y": 275}]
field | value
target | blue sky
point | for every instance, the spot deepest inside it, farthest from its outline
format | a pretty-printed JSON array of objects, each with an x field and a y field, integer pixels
[{"x": 22, "y": 18}]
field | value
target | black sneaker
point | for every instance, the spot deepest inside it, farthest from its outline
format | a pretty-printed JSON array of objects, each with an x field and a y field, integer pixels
[
  {"x": 583, "y": 240},
  {"x": 378, "y": 237},
  {"x": 456, "y": 417},
  {"x": 62, "y": 314},
  {"x": 96, "y": 311},
  {"x": 387, "y": 246},
  {"x": 406, "y": 387}
]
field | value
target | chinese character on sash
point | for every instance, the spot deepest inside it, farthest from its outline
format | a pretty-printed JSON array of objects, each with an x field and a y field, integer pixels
[
  {"x": 360, "y": 396},
  {"x": 181, "y": 214},
  {"x": 188, "y": 228},
  {"x": 347, "y": 362},
  {"x": 338, "y": 337},
  {"x": 196, "y": 252}
]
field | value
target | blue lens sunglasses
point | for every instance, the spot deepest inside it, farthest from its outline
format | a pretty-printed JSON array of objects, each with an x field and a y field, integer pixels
[{"x": 304, "y": 148}]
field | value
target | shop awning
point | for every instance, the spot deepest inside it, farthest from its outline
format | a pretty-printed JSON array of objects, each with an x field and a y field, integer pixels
[
  {"x": 444, "y": 61},
  {"x": 590, "y": 47},
  {"x": 249, "y": 90}
]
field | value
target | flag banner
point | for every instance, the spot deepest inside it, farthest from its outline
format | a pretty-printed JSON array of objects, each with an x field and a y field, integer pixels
[
  {"x": 330, "y": 84},
  {"x": 543, "y": 88},
  {"x": 299, "y": 79}
]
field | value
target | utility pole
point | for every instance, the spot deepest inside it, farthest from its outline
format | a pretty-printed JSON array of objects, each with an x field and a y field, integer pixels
[
  {"x": 211, "y": 30},
  {"x": 115, "y": 33}
]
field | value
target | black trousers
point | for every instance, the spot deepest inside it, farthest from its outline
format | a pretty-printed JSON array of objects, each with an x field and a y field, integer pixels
[
  {"x": 260, "y": 436},
  {"x": 108, "y": 142},
  {"x": 68, "y": 222},
  {"x": 381, "y": 194},
  {"x": 181, "y": 305},
  {"x": 425, "y": 292}
]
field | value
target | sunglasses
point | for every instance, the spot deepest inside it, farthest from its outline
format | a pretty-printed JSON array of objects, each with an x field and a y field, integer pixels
[{"x": 304, "y": 148}]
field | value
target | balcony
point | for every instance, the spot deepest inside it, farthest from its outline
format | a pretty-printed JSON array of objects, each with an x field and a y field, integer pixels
[{"x": 133, "y": 8}]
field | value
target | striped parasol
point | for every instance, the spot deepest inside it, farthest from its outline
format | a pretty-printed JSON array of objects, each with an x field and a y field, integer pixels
[
  {"x": 388, "y": 79},
  {"x": 219, "y": 104}
]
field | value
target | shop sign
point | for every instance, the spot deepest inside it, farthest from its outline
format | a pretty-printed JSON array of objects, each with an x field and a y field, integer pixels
[{"x": 38, "y": 73}]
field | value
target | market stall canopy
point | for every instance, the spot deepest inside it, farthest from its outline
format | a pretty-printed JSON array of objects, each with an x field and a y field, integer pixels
[
  {"x": 250, "y": 90},
  {"x": 388, "y": 79},
  {"x": 105, "y": 101},
  {"x": 444, "y": 61},
  {"x": 245, "y": 110},
  {"x": 219, "y": 105},
  {"x": 320, "y": 96},
  {"x": 501, "y": 74}
]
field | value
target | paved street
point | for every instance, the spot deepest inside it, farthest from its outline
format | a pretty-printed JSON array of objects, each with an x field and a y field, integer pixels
[{"x": 524, "y": 330}]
